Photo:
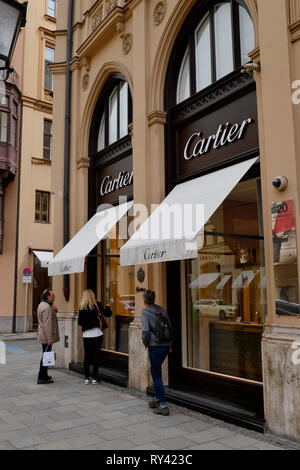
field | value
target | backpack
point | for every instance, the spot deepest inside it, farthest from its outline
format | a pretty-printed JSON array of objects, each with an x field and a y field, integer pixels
[{"x": 163, "y": 330}]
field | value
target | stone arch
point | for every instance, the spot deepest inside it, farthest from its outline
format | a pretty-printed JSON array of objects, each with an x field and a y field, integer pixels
[
  {"x": 105, "y": 72},
  {"x": 166, "y": 44}
]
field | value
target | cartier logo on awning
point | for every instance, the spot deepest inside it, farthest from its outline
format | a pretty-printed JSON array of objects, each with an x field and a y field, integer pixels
[{"x": 198, "y": 144}]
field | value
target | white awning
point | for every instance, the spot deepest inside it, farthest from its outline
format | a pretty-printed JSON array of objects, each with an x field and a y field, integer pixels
[
  {"x": 204, "y": 280},
  {"x": 223, "y": 282},
  {"x": 71, "y": 258},
  {"x": 170, "y": 232},
  {"x": 45, "y": 257}
]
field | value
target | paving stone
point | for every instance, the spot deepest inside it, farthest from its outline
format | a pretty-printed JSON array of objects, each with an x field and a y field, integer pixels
[
  {"x": 177, "y": 443},
  {"x": 60, "y": 425},
  {"x": 140, "y": 427},
  {"x": 167, "y": 433},
  {"x": 148, "y": 447},
  {"x": 5, "y": 445},
  {"x": 237, "y": 441},
  {"x": 203, "y": 436},
  {"x": 22, "y": 442},
  {"x": 115, "y": 444},
  {"x": 194, "y": 426},
  {"x": 62, "y": 445},
  {"x": 210, "y": 446}
]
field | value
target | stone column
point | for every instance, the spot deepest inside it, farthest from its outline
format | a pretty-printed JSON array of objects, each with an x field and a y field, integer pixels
[{"x": 281, "y": 370}]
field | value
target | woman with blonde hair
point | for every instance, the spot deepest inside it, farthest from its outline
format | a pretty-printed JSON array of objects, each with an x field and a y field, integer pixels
[{"x": 91, "y": 322}]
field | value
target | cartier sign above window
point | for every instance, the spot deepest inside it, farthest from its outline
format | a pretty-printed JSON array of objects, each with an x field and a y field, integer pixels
[
  {"x": 198, "y": 145},
  {"x": 114, "y": 181},
  {"x": 207, "y": 140}
]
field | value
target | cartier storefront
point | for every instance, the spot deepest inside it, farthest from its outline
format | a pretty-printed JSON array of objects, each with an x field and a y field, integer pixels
[{"x": 216, "y": 289}]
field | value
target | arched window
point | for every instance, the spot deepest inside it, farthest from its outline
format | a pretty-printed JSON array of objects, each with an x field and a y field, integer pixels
[
  {"x": 112, "y": 115},
  {"x": 219, "y": 44}
]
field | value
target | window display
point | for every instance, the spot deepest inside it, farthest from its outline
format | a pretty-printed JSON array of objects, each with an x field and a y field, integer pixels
[{"x": 225, "y": 298}]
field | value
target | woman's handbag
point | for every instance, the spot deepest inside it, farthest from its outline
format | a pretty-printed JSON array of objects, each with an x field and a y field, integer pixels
[
  {"x": 103, "y": 322},
  {"x": 48, "y": 358}
]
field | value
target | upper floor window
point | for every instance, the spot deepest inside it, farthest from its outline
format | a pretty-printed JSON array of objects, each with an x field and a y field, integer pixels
[
  {"x": 52, "y": 8},
  {"x": 49, "y": 59},
  {"x": 42, "y": 206},
  {"x": 115, "y": 116},
  {"x": 220, "y": 44},
  {"x": 47, "y": 146}
]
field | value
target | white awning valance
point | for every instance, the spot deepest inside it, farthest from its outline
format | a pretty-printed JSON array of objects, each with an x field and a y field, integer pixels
[
  {"x": 71, "y": 258},
  {"x": 170, "y": 232}
]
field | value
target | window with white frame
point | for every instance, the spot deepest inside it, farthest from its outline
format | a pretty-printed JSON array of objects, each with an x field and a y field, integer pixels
[
  {"x": 49, "y": 59},
  {"x": 52, "y": 8}
]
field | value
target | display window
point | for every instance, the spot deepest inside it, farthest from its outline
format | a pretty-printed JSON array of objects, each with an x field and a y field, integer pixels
[{"x": 225, "y": 298}]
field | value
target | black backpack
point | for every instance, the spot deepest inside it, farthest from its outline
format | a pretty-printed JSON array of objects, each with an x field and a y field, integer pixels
[{"x": 163, "y": 330}]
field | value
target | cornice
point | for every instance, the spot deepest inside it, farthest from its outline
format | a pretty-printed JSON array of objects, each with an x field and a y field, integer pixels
[
  {"x": 109, "y": 24},
  {"x": 40, "y": 161},
  {"x": 83, "y": 162},
  {"x": 37, "y": 105},
  {"x": 255, "y": 55},
  {"x": 60, "y": 32},
  {"x": 157, "y": 117},
  {"x": 49, "y": 32},
  {"x": 58, "y": 68},
  {"x": 295, "y": 31},
  {"x": 294, "y": 11}
]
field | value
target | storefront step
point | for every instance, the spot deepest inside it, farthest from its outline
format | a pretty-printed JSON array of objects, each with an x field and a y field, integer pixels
[
  {"x": 113, "y": 376},
  {"x": 229, "y": 412}
]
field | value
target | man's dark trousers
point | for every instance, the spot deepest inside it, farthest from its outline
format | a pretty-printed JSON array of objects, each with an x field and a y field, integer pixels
[
  {"x": 157, "y": 355},
  {"x": 43, "y": 373}
]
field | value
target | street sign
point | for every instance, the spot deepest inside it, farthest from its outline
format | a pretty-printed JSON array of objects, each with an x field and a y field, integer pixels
[
  {"x": 27, "y": 272},
  {"x": 27, "y": 279}
]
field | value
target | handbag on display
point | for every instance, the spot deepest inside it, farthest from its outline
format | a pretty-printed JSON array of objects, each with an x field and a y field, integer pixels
[
  {"x": 103, "y": 322},
  {"x": 48, "y": 358}
]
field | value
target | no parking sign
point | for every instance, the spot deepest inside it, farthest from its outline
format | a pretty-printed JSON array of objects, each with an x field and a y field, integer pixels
[{"x": 27, "y": 276}]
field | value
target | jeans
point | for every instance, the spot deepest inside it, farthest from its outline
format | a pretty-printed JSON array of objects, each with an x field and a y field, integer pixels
[
  {"x": 92, "y": 351},
  {"x": 157, "y": 355},
  {"x": 43, "y": 373}
]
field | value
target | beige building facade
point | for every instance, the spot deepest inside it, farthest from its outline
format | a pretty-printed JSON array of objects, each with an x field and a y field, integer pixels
[
  {"x": 28, "y": 208},
  {"x": 187, "y": 100}
]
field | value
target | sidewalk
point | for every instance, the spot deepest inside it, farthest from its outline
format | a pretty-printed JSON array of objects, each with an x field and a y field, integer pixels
[
  {"x": 17, "y": 336},
  {"x": 70, "y": 415}
]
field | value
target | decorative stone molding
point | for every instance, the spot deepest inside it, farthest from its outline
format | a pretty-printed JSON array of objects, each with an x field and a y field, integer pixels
[
  {"x": 157, "y": 117},
  {"x": 127, "y": 43},
  {"x": 159, "y": 12},
  {"x": 58, "y": 68},
  {"x": 83, "y": 162},
  {"x": 294, "y": 11},
  {"x": 295, "y": 31},
  {"x": 97, "y": 17},
  {"x": 120, "y": 28},
  {"x": 40, "y": 161},
  {"x": 215, "y": 95},
  {"x": 85, "y": 81}
]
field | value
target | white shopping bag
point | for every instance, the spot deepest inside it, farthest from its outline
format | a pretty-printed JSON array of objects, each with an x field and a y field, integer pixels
[{"x": 48, "y": 359}]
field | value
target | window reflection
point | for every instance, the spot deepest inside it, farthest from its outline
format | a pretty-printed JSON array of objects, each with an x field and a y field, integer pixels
[
  {"x": 119, "y": 291},
  {"x": 226, "y": 299}
]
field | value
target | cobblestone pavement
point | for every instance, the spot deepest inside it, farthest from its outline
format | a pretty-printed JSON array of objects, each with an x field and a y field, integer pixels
[{"x": 70, "y": 415}]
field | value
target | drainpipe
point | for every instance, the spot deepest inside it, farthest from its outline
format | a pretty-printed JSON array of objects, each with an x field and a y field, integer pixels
[
  {"x": 66, "y": 287},
  {"x": 14, "y": 325}
]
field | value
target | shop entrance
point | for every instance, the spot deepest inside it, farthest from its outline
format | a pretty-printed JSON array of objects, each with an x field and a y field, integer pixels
[{"x": 217, "y": 353}]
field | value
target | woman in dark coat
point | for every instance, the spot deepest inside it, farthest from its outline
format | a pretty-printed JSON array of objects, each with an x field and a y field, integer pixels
[{"x": 88, "y": 319}]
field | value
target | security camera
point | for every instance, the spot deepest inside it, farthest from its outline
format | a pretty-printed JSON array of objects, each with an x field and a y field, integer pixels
[{"x": 280, "y": 183}]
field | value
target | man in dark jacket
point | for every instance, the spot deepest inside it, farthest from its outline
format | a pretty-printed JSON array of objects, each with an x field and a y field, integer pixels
[{"x": 158, "y": 350}]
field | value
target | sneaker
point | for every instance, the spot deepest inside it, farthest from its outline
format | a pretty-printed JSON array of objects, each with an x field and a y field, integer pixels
[
  {"x": 94, "y": 382},
  {"x": 153, "y": 403},
  {"x": 162, "y": 411},
  {"x": 86, "y": 381}
]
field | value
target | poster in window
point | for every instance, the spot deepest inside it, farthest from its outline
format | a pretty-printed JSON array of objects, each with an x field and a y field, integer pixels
[{"x": 285, "y": 257}]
